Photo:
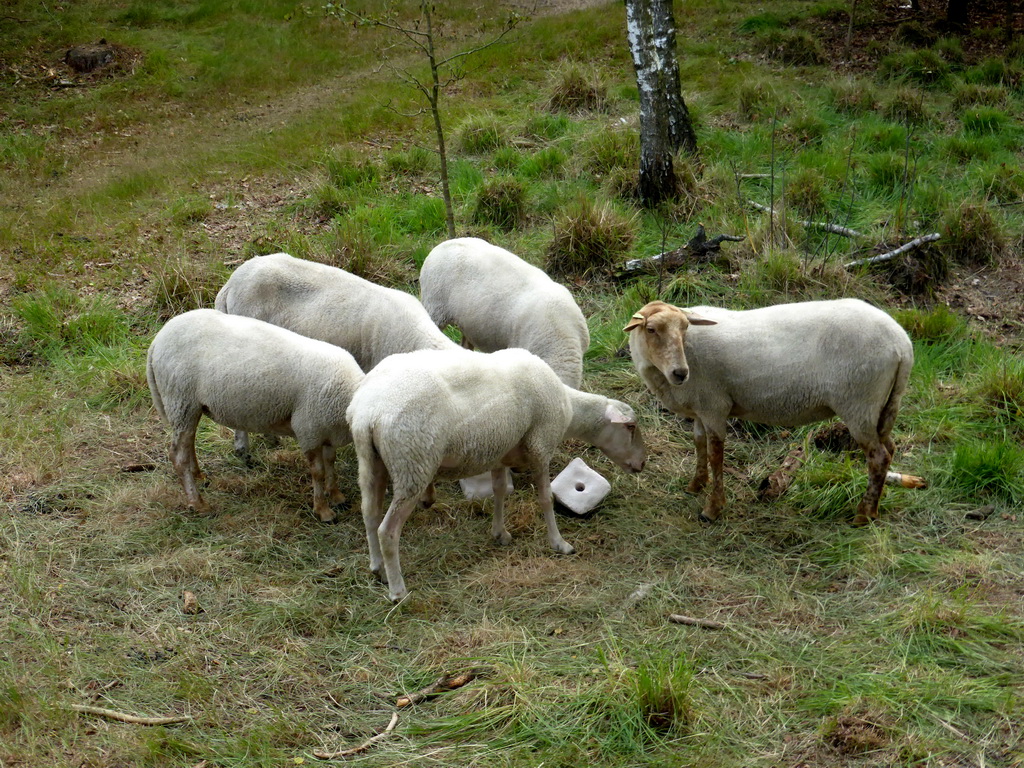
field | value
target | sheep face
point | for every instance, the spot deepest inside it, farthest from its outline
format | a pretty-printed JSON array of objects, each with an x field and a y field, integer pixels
[
  {"x": 620, "y": 439},
  {"x": 657, "y": 334}
]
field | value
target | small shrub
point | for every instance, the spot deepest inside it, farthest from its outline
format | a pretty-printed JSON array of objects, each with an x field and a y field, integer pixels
[
  {"x": 989, "y": 467},
  {"x": 480, "y": 134},
  {"x": 501, "y": 202},
  {"x": 906, "y": 106},
  {"x": 935, "y": 324},
  {"x": 547, "y": 162},
  {"x": 576, "y": 89},
  {"x": 972, "y": 235},
  {"x": 790, "y": 46},
  {"x": 851, "y": 97},
  {"x": 184, "y": 284},
  {"x": 590, "y": 238},
  {"x": 924, "y": 67},
  {"x": 981, "y": 120}
]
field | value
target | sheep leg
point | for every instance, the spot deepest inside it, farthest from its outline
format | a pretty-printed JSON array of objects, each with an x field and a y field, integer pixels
[
  {"x": 388, "y": 534},
  {"x": 186, "y": 465},
  {"x": 373, "y": 481},
  {"x": 499, "y": 483},
  {"x": 716, "y": 499},
  {"x": 242, "y": 446},
  {"x": 544, "y": 498},
  {"x": 334, "y": 493},
  {"x": 700, "y": 471},
  {"x": 879, "y": 458},
  {"x": 427, "y": 497},
  {"x": 315, "y": 457}
]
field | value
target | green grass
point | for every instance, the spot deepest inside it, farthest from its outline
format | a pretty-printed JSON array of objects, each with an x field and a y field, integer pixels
[{"x": 246, "y": 128}]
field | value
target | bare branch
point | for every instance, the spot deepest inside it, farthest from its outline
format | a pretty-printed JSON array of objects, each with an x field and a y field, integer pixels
[
  {"x": 897, "y": 252},
  {"x": 442, "y": 684},
  {"x": 362, "y": 747},
  {"x": 690, "y": 621},
  {"x": 125, "y": 718},
  {"x": 825, "y": 226}
]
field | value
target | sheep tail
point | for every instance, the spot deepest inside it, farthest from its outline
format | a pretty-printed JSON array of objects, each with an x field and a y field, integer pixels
[
  {"x": 887, "y": 416},
  {"x": 158, "y": 401}
]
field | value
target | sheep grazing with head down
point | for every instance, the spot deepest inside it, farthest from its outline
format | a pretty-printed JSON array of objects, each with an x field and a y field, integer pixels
[
  {"x": 330, "y": 304},
  {"x": 457, "y": 413},
  {"x": 247, "y": 374},
  {"x": 499, "y": 301},
  {"x": 786, "y": 365}
]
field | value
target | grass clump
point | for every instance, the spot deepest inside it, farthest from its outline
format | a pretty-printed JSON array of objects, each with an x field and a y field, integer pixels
[
  {"x": 548, "y": 162},
  {"x": 608, "y": 150},
  {"x": 790, "y": 46},
  {"x": 972, "y": 235},
  {"x": 182, "y": 284},
  {"x": 347, "y": 169},
  {"x": 56, "y": 320},
  {"x": 852, "y": 97},
  {"x": 936, "y": 324},
  {"x": 915, "y": 34},
  {"x": 906, "y": 106},
  {"x": 1001, "y": 384},
  {"x": 501, "y": 201},
  {"x": 576, "y": 89},
  {"x": 984, "y": 120},
  {"x": 982, "y": 467},
  {"x": 806, "y": 191},
  {"x": 973, "y": 94},
  {"x": 480, "y": 134},
  {"x": 924, "y": 67},
  {"x": 591, "y": 238}
]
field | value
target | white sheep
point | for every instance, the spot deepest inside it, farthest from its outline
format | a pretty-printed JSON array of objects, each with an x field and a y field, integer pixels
[
  {"x": 787, "y": 365},
  {"x": 458, "y": 413},
  {"x": 499, "y": 301},
  {"x": 250, "y": 375},
  {"x": 330, "y": 304}
]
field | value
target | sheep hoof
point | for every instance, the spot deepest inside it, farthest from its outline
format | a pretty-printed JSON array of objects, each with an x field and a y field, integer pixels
[
  {"x": 704, "y": 518},
  {"x": 199, "y": 507},
  {"x": 329, "y": 518},
  {"x": 397, "y": 597},
  {"x": 503, "y": 539},
  {"x": 695, "y": 486},
  {"x": 565, "y": 548}
]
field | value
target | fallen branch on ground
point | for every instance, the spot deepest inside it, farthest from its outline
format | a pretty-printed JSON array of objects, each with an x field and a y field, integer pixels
[
  {"x": 893, "y": 254},
  {"x": 443, "y": 683},
  {"x": 362, "y": 747},
  {"x": 834, "y": 229},
  {"x": 689, "y": 621},
  {"x": 981, "y": 513},
  {"x": 124, "y": 718},
  {"x": 697, "y": 249},
  {"x": 907, "y": 481},
  {"x": 778, "y": 482}
]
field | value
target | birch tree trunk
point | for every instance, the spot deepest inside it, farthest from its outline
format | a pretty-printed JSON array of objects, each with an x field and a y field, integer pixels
[{"x": 665, "y": 126}]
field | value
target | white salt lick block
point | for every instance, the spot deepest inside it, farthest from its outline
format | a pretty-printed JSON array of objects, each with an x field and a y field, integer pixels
[
  {"x": 579, "y": 488},
  {"x": 479, "y": 486}
]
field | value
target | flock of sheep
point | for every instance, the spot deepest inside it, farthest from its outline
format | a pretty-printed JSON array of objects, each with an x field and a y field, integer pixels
[{"x": 285, "y": 351}]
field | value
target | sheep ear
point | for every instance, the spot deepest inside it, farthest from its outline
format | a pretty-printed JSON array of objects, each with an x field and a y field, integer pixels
[
  {"x": 635, "y": 322},
  {"x": 696, "y": 319},
  {"x": 615, "y": 416}
]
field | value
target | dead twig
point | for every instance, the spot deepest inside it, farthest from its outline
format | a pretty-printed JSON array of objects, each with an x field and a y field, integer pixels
[
  {"x": 690, "y": 621},
  {"x": 894, "y": 253},
  {"x": 825, "y": 226},
  {"x": 981, "y": 513},
  {"x": 125, "y": 718},
  {"x": 362, "y": 747},
  {"x": 697, "y": 249},
  {"x": 442, "y": 684}
]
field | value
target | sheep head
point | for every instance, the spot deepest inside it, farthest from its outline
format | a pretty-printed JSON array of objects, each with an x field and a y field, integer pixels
[{"x": 657, "y": 334}]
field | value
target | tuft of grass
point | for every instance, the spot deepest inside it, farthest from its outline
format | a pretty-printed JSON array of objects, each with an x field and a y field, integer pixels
[
  {"x": 501, "y": 201},
  {"x": 936, "y": 324},
  {"x": 972, "y": 235},
  {"x": 545, "y": 163},
  {"x": 345, "y": 168},
  {"x": 983, "y": 468},
  {"x": 924, "y": 67},
  {"x": 182, "y": 283},
  {"x": 796, "y": 47},
  {"x": 852, "y": 97},
  {"x": 906, "y": 106},
  {"x": 480, "y": 134},
  {"x": 576, "y": 88},
  {"x": 605, "y": 151},
  {"x": 56, "y": 321},
  {"x": 1001, "y": 385},
  {"x": 984, "y": 120},
  {"x": 415, "y": 161},
  {"x": 590, "y": 238}
]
